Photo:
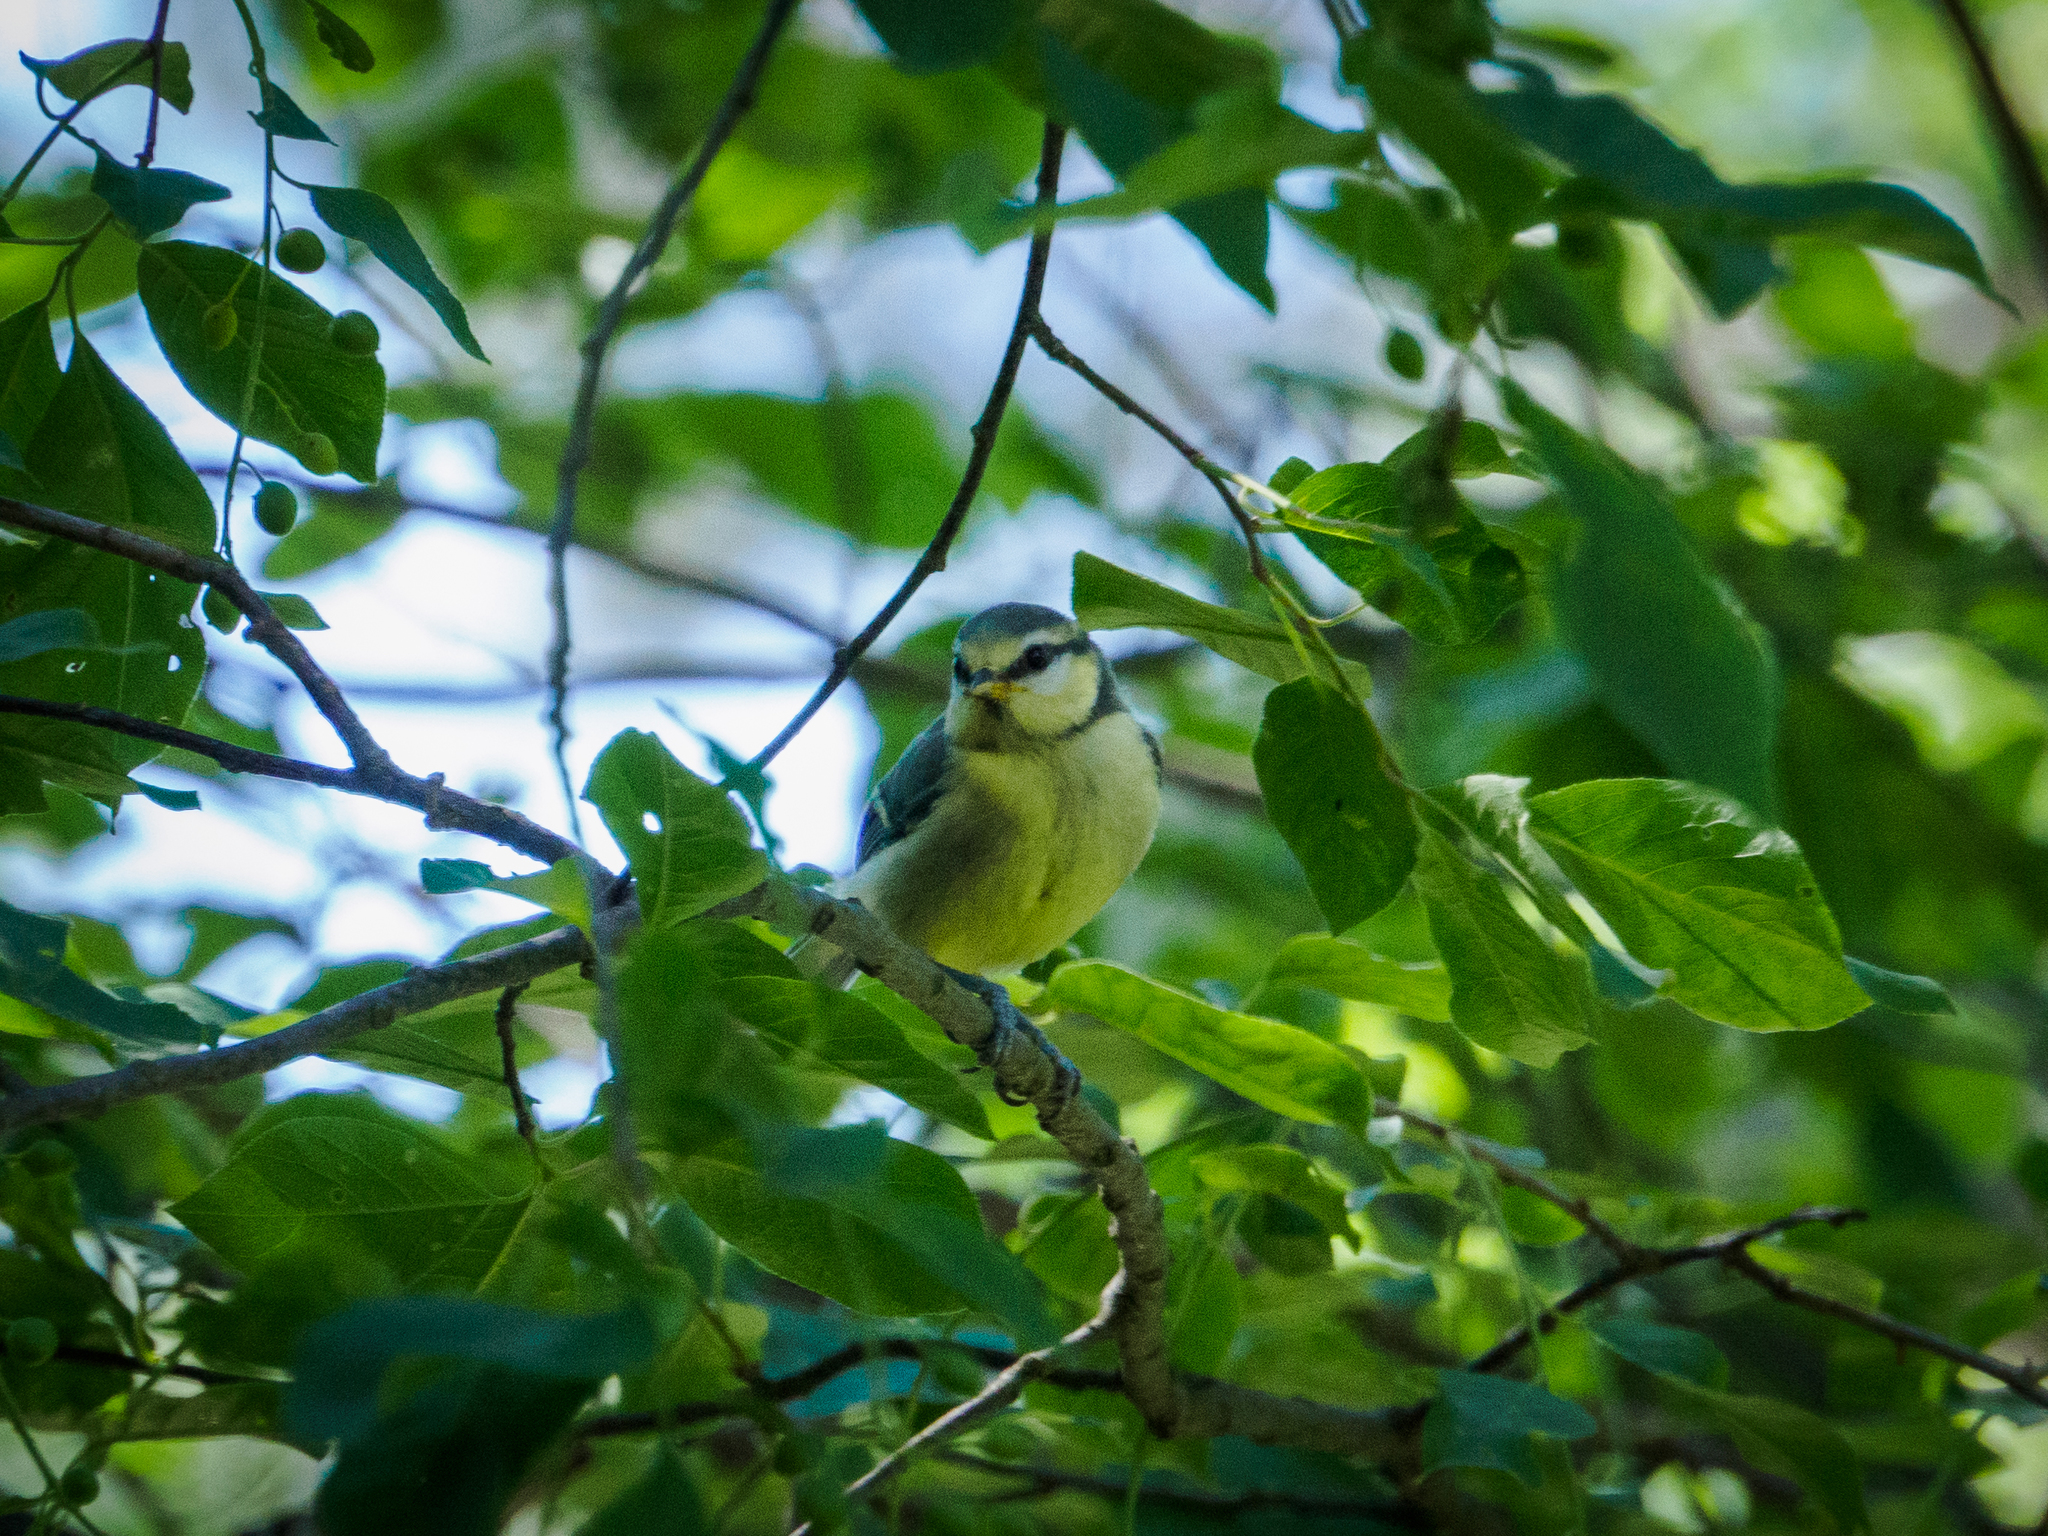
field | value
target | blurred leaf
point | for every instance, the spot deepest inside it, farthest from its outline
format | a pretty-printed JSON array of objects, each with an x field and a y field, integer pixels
[
  {"x": 1272, "y": 1064},
  {"x": 1330, "y": 789},
  {"x": 1510, "y": 991},
  {"x": 1487, "y": 1421},
  {"x": 1784, "y": 1438},
  {"x": 1694, "y": 884},
  {"x": 1108, "y": 597},
  {"x": 293, "y": 611},
  {"x": 1673, "y": 653},
  {"x": 342, "y": 40},
  {"x": 1285, "y": 1174},
  {"x": 306, "y": 386},
  {"x": 1899, "y": 992},
  {"x": 339, "y": 526},
  {"x": 364, "y": 216},
  {"x": 850, "y": 1035},
  {"x": 664, "y": 1502},
  {"x": 562, "y": 887},
  {"x": 1674, "y": 1352},
  {"x": 1534, "y": 1222},
  {"x": 1721, "y": 232},
  {"x": 687, "y": 842},
  {"x": 169, "y": 799},
  {"x": 150, "y": 199},
  {"x": 32, "y": 970},
  {"x": 54, "y": 629},
  {"x": 90, "y": 72},
  {"x": 1961, "y": 706},
  {"x": 336, "y": 1169},
  {"x": 925, "y": 36},
  {"x": 1420, "y": 989}
]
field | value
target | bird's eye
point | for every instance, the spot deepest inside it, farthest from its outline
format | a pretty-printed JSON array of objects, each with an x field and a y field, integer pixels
[
  {"x": 1037, "y": 657},
  {"x": 960, "y": 671}
]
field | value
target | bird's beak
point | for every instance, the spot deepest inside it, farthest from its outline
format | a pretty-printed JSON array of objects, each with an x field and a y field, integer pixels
[{"x": 986, "y": 685}]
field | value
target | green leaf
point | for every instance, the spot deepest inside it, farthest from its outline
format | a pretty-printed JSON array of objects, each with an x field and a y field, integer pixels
[
  {"x": 169, "y": 799},
  {"x": 293, "y": 611},
  {"x": 342, "y": 40},
  {"x": 1673, "y": 654},
  {"x": 281, "y": 117},
  {"x": 1109, "y": 597},
  {"x": 100, "y": 454},
  {"x": 1273, "y": 1064},
  {"x": 1487, "y": 1421},
  {"x": 338, "y": 527},
  {"x": 1420, "y": 989},
  {"x": 1694, "y": 884},
  {"x": 848, "y": 1034},
  {"x": 1888, "y": 989},
  {"x": 150, "y": 199},
  {"x": 1330, "y": 790},
  {"x": 689, "y": 845},
  {"x": 1667, "y": 1351},
  {"x": 32, "y": 970},
  {"x": 1786, "y": 1439},
  {"x": 305, "y": 384},
  {"x": 926, "y": 36},
  {"x": 664, "y": 1502},
  {"x": 338, "y": 1171},
  {"x": 456, "y": 1044},
  {"x": 54, "y": 629},
  {"x": 562, "y": 887},
  {"x": 1284, "y": 1174},
  {"x": 840, "y": 1234},
  {"x": 1722, "y": 232},
  {"x": 1534, "y": 1222},
  {"x": 105, "y": 67},
  {"x": 1446, "y": 119},
  {"x": 1510, "y": 991},
  {"x": 364, "y": 216}
]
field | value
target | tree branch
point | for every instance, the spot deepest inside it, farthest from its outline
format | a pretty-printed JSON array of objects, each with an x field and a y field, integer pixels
[
  {"x": 933, "y": 560},
  {"x": 423, "y": 989},
  {"x": 739, "y": 96},
  {"x": 2015, "y": 148},
  {"x": 265, "y": 628},
  {"x": 1059, "y": 352},
  {"x": 1043, "y": 1480}
]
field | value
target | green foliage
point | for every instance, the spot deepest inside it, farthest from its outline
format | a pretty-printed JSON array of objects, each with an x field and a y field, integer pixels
[
  {"x": 93, "y": 71},
  {"x": 365, "y": 216},
  {"x": 685, "y": 839}
]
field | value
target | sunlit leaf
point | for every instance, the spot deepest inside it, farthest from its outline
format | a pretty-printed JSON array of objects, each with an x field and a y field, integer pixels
[{"x": 689, "y": 845}]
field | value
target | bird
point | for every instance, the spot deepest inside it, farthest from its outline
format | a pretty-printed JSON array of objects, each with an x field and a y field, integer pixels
[{"x": 1011, "y": 819}]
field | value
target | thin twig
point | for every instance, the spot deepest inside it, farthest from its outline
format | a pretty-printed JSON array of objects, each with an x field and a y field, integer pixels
[
  {"x": 114, "y": 1360},
  {"x": 522, "y": 1112},
  {"x": 425, "y": 988},
  {"x": 156, "y": 81},
  {"x": 1217, "y": 476},
  {"x": 933, "y": 560},
  {"x": 739, "y": 96},
  {"x": 2015, "y": 147},
  {"x": 1045, "y": 1479}
]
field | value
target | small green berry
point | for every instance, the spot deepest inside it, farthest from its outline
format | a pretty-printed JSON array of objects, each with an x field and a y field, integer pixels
[
  {"x": 276, "y": 507},
  {"x": 48, "y": 1157},
  {"x": 31, "y": 1340},
  {"x": 78, "y": 1487},
  {"x": 316, "y": 451},
  {"x": 354, "y": 332},
  {"x": 300, "y": 250},
  {"x": 218, "y": 325},
  {"x": 1404, "y": 356},
  {"x": 220, "y": 610}
]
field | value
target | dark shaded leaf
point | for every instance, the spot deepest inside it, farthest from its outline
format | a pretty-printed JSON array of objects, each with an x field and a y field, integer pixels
[
  {"x": 925, "y": 36},
  {"x": 1487, "y": 1421},
  {"x": 126, "y": 61},
  {"x": 364, "y": 216},
  {"x": 150, "y": 199},
  {"x": 342, "y": 40},
  {"x": 53, "y": 629},
  {"x": 32, "y": 970},
  {"x": 281, "y": 116},
  {"x": 1675, "y": 1352},
  {"x": 664, "y": 1502}
]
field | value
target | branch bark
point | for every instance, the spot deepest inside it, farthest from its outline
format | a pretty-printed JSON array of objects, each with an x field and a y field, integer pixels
[
  {"x": 739, "y": 97},
  {"x": 933, "y": 560},
  {"x": 2015, "y": 147},
  {"x": 84, "y": 1097}
]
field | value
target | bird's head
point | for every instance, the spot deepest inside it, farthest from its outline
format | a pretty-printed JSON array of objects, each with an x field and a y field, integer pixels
[{"x": 1022, "y": 671}]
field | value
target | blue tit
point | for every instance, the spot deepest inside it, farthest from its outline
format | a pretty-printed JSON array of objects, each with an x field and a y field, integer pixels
[{"x": 1014, "y": 816}]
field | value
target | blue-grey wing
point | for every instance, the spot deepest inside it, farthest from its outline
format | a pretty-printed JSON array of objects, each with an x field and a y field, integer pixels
[{"x": 906, "y": 794}]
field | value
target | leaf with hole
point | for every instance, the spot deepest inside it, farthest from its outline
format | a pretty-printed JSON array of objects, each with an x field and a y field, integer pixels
[{"x": 689, "y": 845}]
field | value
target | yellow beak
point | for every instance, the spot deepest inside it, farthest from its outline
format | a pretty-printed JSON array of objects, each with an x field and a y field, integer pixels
[{"x": 996, "y": 688}]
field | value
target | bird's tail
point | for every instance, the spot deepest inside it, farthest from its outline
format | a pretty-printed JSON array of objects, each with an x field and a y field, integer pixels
[{"x": 824, "y": 962}]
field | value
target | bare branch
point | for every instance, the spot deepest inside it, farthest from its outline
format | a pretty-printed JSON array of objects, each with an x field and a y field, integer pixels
[
  {"x": 423, "y": 989},
  {"x": 2015, "y": 147},
  {"x": 739, "y": 96},
  {"x": 227, "y": 754},
  {"x": 933, "y": 560},
  {"x": 522, "y": 1112},
  {"x": 1061, "y": 353},
  {"x": 265, "y": 628}
]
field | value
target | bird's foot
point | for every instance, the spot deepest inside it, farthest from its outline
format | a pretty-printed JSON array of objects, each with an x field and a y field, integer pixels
[{"x": 1014, "y": 1069}]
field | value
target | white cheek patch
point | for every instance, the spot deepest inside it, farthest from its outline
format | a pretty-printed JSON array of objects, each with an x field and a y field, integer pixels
[{"x": 1053, "y": 680}]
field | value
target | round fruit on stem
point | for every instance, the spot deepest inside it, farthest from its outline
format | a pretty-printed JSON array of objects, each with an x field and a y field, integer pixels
[
  {"x": 315, "y": 450},
  {"x": 300, "y": 250},
  {"x": 277, "y": 508},
  {"x": 218, "y": 325},
  {"x": 354, "y": 332}
]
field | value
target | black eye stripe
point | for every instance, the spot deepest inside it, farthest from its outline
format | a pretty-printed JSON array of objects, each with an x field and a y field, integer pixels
[{"x": 1022, "y": 666}]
